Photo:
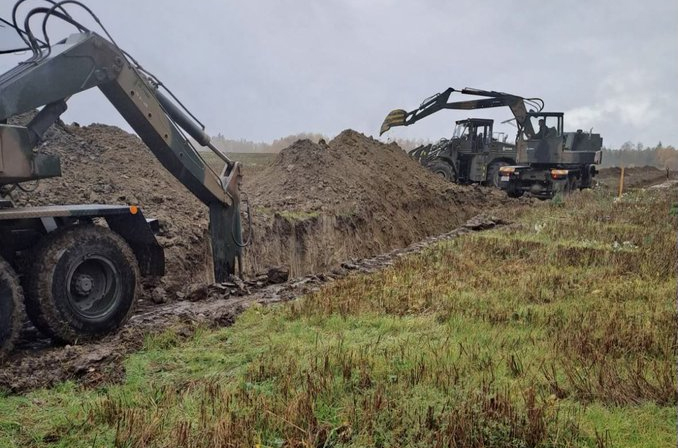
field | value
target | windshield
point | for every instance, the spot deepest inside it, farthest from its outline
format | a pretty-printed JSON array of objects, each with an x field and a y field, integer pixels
[
  {"x": 461, "y": 130},
  {"x": 544, "y": 126},
  {"x": 10, "y": 42}
]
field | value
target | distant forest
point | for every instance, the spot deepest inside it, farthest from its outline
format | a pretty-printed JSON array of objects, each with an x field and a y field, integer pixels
[
  {"x": 629, "y": 154},
  {"x": 229, "y": 145},
  {"x": 635, "y": 154}
]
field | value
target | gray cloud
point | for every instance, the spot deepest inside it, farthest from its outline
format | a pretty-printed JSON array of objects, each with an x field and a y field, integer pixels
[{"x": 264, "y": 68}]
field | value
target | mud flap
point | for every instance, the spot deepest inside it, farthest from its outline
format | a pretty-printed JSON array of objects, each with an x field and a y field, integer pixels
[{"x": 225, "y": 239}]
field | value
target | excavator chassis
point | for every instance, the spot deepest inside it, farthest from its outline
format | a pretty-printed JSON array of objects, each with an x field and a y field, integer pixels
[
  {"x": 76, "y": 268},
  {"x": 80, "y": 278}
]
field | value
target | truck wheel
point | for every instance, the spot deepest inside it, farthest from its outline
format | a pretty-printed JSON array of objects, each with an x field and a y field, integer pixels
[
  {"x": 11, "y": 307},
  {"x": 443, "y": 169},
  {"x": 493, "y": 173},
  {"x": 82, "y": 283},
  {"x": 514, "y": 192}
]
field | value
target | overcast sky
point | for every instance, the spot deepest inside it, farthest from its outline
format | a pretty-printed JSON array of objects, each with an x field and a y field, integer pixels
[{"x": 263, "y": 69}]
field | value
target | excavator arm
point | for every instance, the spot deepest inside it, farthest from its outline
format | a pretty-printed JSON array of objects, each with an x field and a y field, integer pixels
[
  {"x": 440, "y": 101},
  {"x": 86, "y": 60}
]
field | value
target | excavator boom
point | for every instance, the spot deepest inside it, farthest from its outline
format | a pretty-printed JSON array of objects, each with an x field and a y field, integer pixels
[
  {"x": 440, "y": 101},
  {"x": 82, "y": 277},
  {"x": 86, "y": 60}
]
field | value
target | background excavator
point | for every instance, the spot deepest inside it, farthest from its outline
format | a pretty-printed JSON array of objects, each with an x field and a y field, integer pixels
[
  {"x": 547, "y": 159},
  {"x": 473, "y": 154},
  {"x": 78, "y": 280}
]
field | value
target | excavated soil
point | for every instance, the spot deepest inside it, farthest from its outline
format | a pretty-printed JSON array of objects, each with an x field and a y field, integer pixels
[
  {"x": 318, "y": 204},
  {"x": 315, "y": 206}
]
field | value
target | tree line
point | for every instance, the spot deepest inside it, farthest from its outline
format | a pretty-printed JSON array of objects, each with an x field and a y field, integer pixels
[
  {"x": 629, "y": 154},
  {"x": 636, "y": 154},
  {"x": 242, "y": 145}
]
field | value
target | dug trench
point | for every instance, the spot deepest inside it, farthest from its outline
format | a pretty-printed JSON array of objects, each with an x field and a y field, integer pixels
[
  {"x": 314, "y": 207},
  {"x": 95, "y": 364}
]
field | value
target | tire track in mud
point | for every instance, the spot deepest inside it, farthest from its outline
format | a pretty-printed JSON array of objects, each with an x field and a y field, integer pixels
[{"x": 37, "y": 364}]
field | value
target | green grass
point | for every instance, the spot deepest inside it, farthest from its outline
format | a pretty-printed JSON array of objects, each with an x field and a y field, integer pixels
[{"x": 544, "y": 334}]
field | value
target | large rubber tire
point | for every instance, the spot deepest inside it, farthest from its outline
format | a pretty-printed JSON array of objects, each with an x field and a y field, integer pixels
[
  {"x": 443, "y": 169},
  {"x": 513, "y": 192},
  {"x": 82, "y": 284},
  {"x": 493, "y": 173},
  {"x": 11, "y": 307}
]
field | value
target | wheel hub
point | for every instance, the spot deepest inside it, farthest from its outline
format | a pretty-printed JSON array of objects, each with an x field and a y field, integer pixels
[
  {"x": 93, "y": 288},
  {"x": 83, "y": 284}
]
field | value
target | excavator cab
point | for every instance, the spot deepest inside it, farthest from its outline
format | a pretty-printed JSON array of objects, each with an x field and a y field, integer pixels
[
  {"x": 546, "y": 142},
  {"x": 473, "y": 134}
]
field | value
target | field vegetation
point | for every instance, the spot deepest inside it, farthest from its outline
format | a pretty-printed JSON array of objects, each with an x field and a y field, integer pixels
[{"x": 556, "y": 331}]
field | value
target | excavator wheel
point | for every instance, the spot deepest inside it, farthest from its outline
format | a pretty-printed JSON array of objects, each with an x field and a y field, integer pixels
[
  {"x": 82, "y": 283},
  {"x": 514, "y": 192},
  {"x": 11, "y": 307},
  {"x": 443, "y": 169},
  {"x": 493, "y": 173}
]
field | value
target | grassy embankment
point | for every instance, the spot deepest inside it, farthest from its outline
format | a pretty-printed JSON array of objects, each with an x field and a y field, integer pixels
[{"x": 559, "y": 331}]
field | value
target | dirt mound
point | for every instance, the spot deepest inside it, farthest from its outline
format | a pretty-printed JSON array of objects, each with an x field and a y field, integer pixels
[
  {"x": 104, "y": 164},
  {"x": 357, "y": 197},
  {"x": 315, "y": 207}
]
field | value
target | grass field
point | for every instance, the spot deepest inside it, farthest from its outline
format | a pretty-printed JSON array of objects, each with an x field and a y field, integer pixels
[{"x": 558, "y": 331}]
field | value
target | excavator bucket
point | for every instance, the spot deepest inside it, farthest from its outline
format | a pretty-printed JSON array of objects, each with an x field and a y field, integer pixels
[{"x": 394, "y": 118}]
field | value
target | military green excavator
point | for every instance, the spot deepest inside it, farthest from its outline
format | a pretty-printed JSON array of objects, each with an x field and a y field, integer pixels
[
  {"x": 78, "y": 280},
  {"x": 473, "y": 153},
  {"x": 544, "y": 161}
]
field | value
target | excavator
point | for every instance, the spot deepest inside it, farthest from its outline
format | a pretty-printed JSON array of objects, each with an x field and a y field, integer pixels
[
  {"x": 75, "y": 269},
  {"x": 472, "y": 154},
  {"x": 548, "y": 160}
]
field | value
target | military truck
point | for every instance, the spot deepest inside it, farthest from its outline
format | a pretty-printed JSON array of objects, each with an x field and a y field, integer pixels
[
  {"x": 473, "y": 154},
  {"x": 551, "y": 161}
]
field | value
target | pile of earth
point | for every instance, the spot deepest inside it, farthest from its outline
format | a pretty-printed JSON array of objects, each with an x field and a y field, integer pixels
[
  {"x": 316, "y": 206},
  {"x": 352, "y": 197},
  {"x": 106, "y": 165}
]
